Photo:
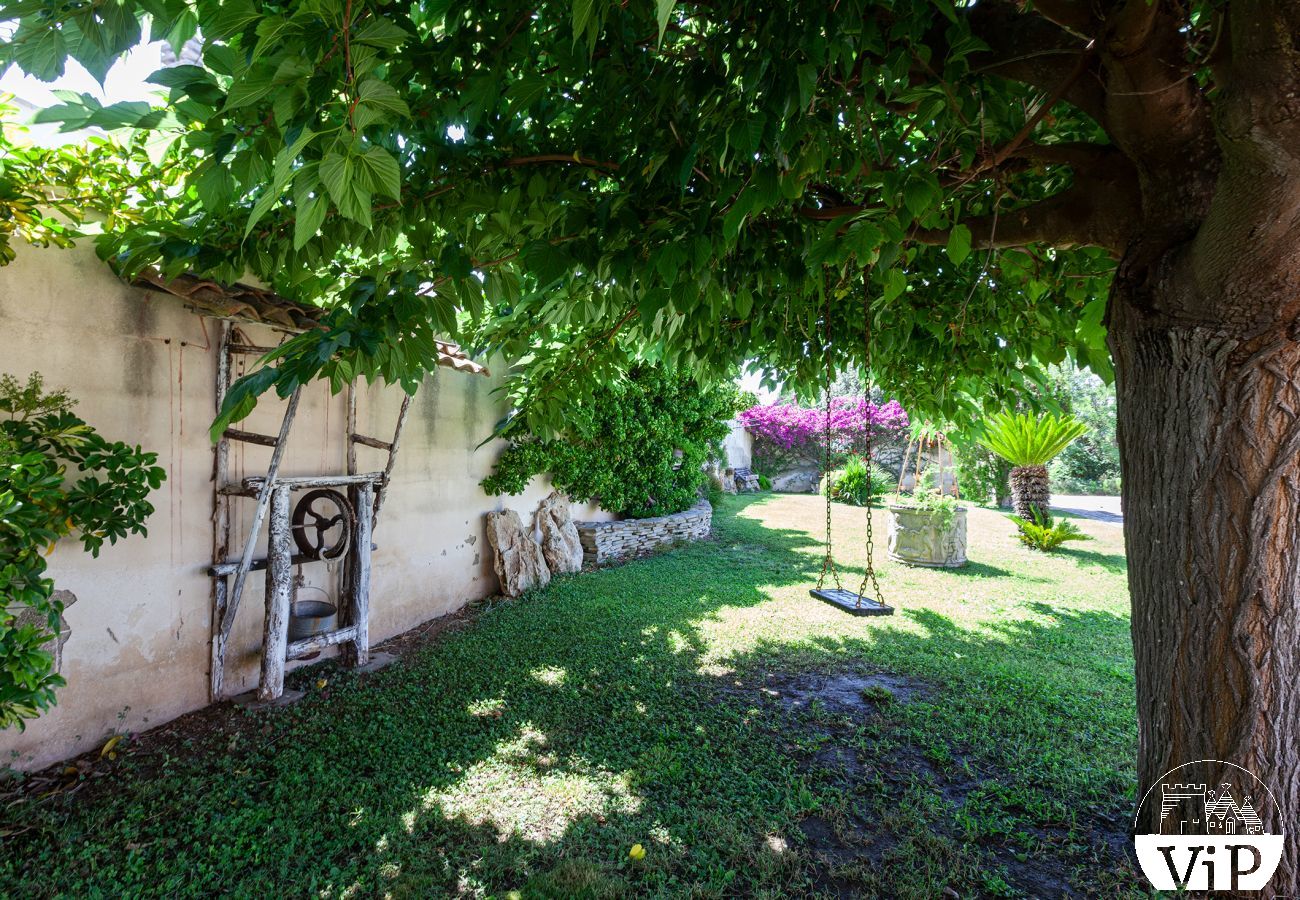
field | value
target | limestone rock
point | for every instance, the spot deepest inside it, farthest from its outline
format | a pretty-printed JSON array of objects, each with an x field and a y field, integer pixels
[
  {"x": 561, "y": 546},
  {"x": 724, "y": 480},
  {"x": 516, "y": 557}
]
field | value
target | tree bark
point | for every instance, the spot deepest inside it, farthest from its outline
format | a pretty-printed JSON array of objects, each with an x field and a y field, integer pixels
[
  {"x": 1209, "y": 434},
  {"x": 1030, "y": 494}
]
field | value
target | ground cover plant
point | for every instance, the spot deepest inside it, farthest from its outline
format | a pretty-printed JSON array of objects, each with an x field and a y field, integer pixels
[{"x": 752, "y": 741}]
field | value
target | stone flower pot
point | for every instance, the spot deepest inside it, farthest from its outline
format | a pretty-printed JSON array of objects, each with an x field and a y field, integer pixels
[{"x": 915, "y": 538}]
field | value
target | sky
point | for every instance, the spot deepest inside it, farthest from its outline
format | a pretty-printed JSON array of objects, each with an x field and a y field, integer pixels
[{"x": 125, "y": 81}]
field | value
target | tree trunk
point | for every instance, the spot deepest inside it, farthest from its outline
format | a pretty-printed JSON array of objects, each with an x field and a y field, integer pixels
[
  {"x": 1030, "y": 494},
  {"x": 1209, "y": 434}
]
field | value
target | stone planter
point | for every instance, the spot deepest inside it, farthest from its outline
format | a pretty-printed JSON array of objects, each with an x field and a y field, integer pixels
[{"x": 915, "y": 538}]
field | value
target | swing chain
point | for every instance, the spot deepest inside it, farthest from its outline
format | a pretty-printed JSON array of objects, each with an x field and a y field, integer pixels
[
  {"x": 828, "y": 562},
  {"x": 869, "y": 576}
]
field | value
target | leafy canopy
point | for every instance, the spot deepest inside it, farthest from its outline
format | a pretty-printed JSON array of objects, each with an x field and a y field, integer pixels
[
  {"x": 1025, "y": 439},
  {"x": 584, "y": 185}
]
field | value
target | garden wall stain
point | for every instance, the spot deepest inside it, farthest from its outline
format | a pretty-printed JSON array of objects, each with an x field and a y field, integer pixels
[{"x": 143, "y": 369}]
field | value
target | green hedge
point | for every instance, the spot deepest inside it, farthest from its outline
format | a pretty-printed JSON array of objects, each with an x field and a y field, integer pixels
[{"x": 621, "y": 449}]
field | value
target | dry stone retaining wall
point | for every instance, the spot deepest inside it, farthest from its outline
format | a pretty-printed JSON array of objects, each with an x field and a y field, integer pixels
[{"x": 604, "y": 542}]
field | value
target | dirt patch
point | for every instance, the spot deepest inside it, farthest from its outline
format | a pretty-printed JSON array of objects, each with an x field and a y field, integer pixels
[
  {"x": 847, "y": 693},
  {"x": 854, "y": 848}
]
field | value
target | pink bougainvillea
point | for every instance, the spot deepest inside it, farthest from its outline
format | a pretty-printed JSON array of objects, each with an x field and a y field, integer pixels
[{"x": 799, "y": 428}]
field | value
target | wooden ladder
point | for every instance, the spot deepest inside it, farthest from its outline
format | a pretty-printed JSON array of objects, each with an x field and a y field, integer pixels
[{"x": 366, "y": 492}]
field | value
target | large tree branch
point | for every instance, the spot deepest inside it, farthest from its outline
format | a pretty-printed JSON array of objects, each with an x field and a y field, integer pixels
[
  {"x": 1085, "y": 215},
  {"x": 1032, "y": 50},
  {"x": 1078, "y": 16},
  {"x": 1247, "y": 251},
  {"x": 1155, "y": 108},
  {"x": 1101, "y": 209}
]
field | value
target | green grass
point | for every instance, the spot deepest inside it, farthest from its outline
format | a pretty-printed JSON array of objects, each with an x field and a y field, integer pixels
[{"x": 680, "y": 702}]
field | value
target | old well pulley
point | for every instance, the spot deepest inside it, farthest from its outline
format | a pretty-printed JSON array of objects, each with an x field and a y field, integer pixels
[{"x": 322, "y": 522}]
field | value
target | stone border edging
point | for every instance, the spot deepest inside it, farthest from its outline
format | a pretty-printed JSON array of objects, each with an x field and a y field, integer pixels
[{"x": 604, "y": 542}]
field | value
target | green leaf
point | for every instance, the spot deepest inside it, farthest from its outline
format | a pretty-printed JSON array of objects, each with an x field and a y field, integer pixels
[
  {"x": 918, "y": 195},
  {"x": 378, "y": 101},
  {"x": 40, "y": 54},
  {"x": 335, "y": 173},
  {"x": 311, "y": 214},
  {"x": 807, "y": 84},
  {"x": 582, "y": 10},
  {"x": 382, "y": 171},
  {"x": 215, "y": 187},
  {"x": 381, "y": 33},
  {"x": 664, "y": 11},
  {"x": 895, "y": 285},
  {"x": 958, "y": 244},
  {"x": 251, "y": 87},
  {"x": 281, "y": 173}
]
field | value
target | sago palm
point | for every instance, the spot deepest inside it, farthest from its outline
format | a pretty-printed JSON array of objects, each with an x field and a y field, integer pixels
[{"x": 1029, "y": 443}]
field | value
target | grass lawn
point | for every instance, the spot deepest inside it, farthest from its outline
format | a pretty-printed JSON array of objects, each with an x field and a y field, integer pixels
[{"x": 754, "y": 741}]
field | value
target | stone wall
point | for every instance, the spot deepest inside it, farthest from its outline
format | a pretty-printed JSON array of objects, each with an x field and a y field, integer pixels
[{"x": 604, "y": 542}]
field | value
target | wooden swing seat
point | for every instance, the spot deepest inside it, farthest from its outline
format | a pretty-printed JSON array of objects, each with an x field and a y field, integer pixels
[{"x": 855, "y": 604}]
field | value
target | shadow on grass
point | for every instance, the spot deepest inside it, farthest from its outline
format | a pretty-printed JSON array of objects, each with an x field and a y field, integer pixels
[
  {"x": 1111, "y": 562},
  {"x": 531, "y": 750}
]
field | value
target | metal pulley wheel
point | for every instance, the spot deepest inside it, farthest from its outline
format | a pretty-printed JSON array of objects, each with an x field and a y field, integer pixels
[{"x": 322, "y": 524}]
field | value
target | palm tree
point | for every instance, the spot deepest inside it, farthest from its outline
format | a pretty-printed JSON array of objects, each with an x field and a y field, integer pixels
[{"x": 1029, "y": 443}]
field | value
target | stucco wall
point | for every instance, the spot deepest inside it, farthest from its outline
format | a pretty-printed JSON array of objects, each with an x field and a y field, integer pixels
[
  {"x": 143, "y": 369},
  {"x": 739, "y": 447}
]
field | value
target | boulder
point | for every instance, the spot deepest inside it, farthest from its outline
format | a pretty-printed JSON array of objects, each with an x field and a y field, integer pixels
[
  {"x": 561, "y": 546},
  {"x": 796, "y": 481},
  {"x": 516, "y": 557},
  {"x": 724, "y": 480}
]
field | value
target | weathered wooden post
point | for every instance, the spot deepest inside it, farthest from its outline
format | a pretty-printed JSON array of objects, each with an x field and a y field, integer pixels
[
  {"x": 357, "y": 652},
  {"x": 279, "y": 592}
]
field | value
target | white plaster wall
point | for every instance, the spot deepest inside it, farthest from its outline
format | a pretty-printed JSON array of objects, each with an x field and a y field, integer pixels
[
  {"x": 739, "y": 447},
  {"x": 143, "y": 369}
]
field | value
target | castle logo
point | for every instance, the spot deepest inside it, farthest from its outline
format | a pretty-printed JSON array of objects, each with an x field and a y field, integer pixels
[{"x": 1211, "y": 836}]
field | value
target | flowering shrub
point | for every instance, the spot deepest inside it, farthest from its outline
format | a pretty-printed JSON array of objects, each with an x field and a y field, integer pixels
[{"x": 786, "y": 434}]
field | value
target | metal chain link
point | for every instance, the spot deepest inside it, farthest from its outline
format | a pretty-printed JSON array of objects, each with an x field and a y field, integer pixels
[
  {"x": 828, "y": 563},
  {"x": 869, "y": 577}
]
